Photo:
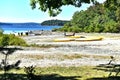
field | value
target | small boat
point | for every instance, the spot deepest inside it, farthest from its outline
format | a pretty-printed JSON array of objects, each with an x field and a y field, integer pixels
[
  {"x": 89, "y": 39},
  {"x": 63, "y": 39}
]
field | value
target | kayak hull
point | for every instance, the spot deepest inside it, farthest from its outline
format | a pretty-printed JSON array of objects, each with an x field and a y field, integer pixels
[{"x": 89, "y": 39}]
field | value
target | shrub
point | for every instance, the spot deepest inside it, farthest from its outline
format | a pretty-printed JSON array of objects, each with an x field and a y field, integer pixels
[
  {"x": 30, "y": 71},
  {"x": 4, "y": 40},
  {"x": 1, "y": 32},
  {"x": 10, "y": 39},
  {"x": 14, "y": 40}
]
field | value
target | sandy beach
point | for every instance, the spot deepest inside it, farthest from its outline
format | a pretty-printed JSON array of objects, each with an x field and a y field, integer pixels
[{"x": 72, "y": 53}]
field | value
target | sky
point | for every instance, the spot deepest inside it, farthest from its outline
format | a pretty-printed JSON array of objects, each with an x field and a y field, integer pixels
[{"x": 20, "y": 11}]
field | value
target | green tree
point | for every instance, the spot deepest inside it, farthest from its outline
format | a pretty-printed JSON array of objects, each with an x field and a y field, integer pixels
[
  {"x": 89, "y": 29},
  {"x": 76, "y": 29},
  {"x": 97, "y": 18},
  {"x": 54, "y": 6},
  {"x": 80, "y": 19},
  {"x": 111, "y": 26}
]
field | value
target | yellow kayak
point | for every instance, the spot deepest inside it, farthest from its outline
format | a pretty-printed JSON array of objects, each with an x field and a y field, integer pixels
[{"x": 89, "y": 39}]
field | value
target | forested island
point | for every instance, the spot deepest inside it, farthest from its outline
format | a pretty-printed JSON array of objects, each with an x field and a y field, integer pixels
[
  {"x": 97, "y": 18},
  {"x": 54, "y": 22}
]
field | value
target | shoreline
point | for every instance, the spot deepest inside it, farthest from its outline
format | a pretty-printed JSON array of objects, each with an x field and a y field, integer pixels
[{"x": 68, "y": 54}]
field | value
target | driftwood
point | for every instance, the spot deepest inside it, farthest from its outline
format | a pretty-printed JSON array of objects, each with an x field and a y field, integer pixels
[
  {"x": 72, "y": 34},
  {"x": 113, "y": 66}
]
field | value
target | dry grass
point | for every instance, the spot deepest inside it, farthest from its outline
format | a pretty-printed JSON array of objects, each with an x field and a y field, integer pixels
[
  {"x": 56, "y": 56},
  {"x": 61, "y": 56},
  {"x": 42, "y": 46},
  {"x": 26, "y": 56},
  {"x": 96, "y": 56}
]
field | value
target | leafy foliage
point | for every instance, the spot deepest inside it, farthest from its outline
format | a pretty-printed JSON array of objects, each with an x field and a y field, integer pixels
[
  {"x": 96, "y": 18},
  {"x": 14, "y": 40},
  {"x": 4, "y": 40},
  {"x": 54, "y": 6},
  {"x": 10, "y": 39}
]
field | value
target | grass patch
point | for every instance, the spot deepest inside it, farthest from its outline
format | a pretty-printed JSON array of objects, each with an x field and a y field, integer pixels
[
  {"x": 64, "y": 73},
  {"x": 81, "y": 72}
]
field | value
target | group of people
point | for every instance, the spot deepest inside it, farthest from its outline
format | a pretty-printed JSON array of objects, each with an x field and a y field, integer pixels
[{"x": 21, "y": 33}]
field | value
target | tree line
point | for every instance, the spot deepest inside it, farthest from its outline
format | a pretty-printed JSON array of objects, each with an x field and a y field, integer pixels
[{"x": 100, "y": 17}]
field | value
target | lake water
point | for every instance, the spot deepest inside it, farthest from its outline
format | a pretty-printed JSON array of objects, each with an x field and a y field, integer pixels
[{"x": 23, "y": 27}]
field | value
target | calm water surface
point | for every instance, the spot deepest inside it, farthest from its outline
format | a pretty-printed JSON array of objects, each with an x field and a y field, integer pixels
[{"x": 22, "y": 27}]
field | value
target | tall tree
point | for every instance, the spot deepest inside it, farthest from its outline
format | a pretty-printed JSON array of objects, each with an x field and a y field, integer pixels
[{"x": 54, "y": 6}]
